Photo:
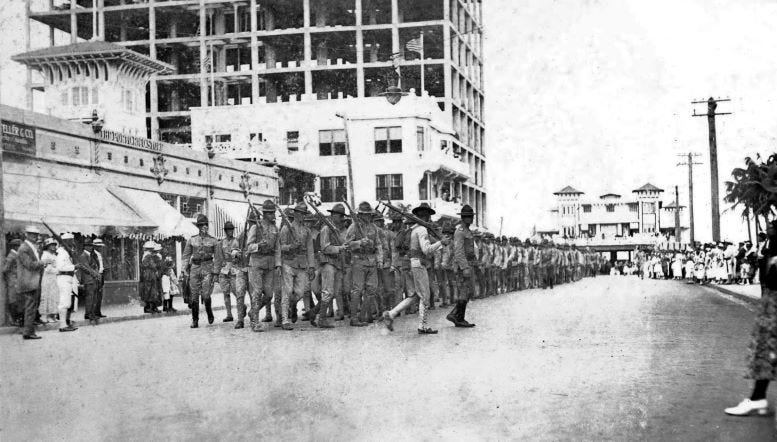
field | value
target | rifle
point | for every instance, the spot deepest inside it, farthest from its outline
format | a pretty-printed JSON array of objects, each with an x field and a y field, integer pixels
[
  {"x": 285, "y": 220},
  {"x": 59, "y": 239},
  {"x": 429, "y": 226},
  {"x": 356, "y": 221},
  {"x": 323, "y": 219}
]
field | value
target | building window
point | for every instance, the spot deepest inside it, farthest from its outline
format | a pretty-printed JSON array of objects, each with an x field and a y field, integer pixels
[
  {"x": 388, "y": 139},
  {"x": 610, "y": 208},
  {"x": 95, "y": 96},
  {"x": 191, "y": 206},
  {"x": 333, "y": 189},
  {"x": 389, "y": 187},
  {"x": 292, "y": 141},
  {"x": 110, "y": 156},
  {"x": 419, "y": 138},
  {"x": 141, "y": 162},
  {"x": 187, "y": 171},
  {"x": 586, "y": 208},
  {"x": 126, "y": 159},
  {"x": 199, "y": 172},
  {"x": 219, "y": 177},
  {"x": 331, "y": 142},
  {"x": 256, "y": 137},
  {"x": 633, "y": 207},
  {"x": 76, "y": 97},
  {"x": 175, "y": 169},
  {"x": 63, "y": 97}
]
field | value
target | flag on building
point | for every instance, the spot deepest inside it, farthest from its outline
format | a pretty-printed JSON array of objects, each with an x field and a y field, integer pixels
[
  {"x": 415, "y": 45},
  {"x": 206, "y": 62}
]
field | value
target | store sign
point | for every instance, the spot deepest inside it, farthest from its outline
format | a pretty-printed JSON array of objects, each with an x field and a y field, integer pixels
[
  {"x": 18, "y": 138},
  {"x": 129, "y": 140}
]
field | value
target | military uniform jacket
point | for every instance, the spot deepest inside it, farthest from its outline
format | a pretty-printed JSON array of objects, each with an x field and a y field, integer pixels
[
  {"x": 463, "y": 248},
  {"x": 401, "y": 246},
  {"x": 262, "y": 245},
  {"x": 199, "y": 250},
  {"x": 486, "y": 255},
  {"x": 385, "y": 246},
  {"x": 223, "y": 262},
  {"x": 421, "y": 249},
  {"x": 331, "y": 252},
  {"x": 300, "y": 258},
  {"x": 368, "y": 256}
]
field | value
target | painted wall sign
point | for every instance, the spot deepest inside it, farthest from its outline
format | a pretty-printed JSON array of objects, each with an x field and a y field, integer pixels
[
  {"x": 18, "y": 138},
  {"x": 129, "y": 140}
]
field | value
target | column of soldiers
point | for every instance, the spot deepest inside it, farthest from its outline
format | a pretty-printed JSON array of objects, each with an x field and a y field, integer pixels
[{"x": 353, "y": 265}]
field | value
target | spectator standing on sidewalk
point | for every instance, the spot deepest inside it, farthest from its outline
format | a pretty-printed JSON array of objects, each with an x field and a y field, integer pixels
[
  {"x": 29, "y": 271},
  {"x": 49, "y": 292},
  {"x": 169, "y": 285},
  {"x": 150, "y": 276},
  {"x": 11, "y": 280},
  {"x": 762, "y": 367},
  {"x": 98, "y": 248}
]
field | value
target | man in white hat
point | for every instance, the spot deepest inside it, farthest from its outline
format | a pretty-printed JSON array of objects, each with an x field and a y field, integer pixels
[
  {"x": 65, "y": 282},
  {"x": 98, "y": 248},
  {"x": 29, "y": 273}
]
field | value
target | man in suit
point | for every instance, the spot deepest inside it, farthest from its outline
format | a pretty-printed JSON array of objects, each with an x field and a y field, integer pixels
[
  {"x": 88, "y": 278},
  {"x": 29, "y": 273},
  {"x": 98, "y": 249},
  {"x": 15, "y": 302}
]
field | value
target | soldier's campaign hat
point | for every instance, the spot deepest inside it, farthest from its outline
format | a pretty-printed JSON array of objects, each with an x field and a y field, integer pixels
[
  {"x": 448, "y": 227},
  {"x": 97, "y": 242},
  {"x": 229, "y": 226},
  {"x": 467, "y": 211},
  {"x": 378, "y": 218},
  {"x": 527, "y": 242},
  {"x": 88, "y": 241},
  {"x": 202, "y": 220},
  {"x": 66, "y": 236},
  {"x": 423, "y": 208},
  {"x": 157, "y": 246},
  {"x": 251, "y": 217},
  {"x": 301, "y": 207},
  {"x": 49, "y": 241},
  {"x": 268, "y": 206},
  {"x": 477, "y": 234},
  {"x": 365, "y": 207},
  {"x": 15, "y": 242},
  {"x": 148, "y": 245},
  {"x": 394, "y": 216},
  {"x": 337, "y": 208},
  {"x": 32, "y": 229},
  {"x": 311, "y": 217}
]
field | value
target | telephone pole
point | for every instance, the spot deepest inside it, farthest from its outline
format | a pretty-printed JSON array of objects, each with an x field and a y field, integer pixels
[
  {"x": 677, "y": 216},
  {"x": 712, "y": 104},
  {"x": 690, "y": 163}
]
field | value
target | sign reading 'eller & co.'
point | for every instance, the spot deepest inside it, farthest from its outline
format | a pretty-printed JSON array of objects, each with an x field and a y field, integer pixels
[{"x": 18, "y": 138}]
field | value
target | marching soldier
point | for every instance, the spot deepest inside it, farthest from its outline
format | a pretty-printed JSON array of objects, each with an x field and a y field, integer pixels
[
  {"x": 464, "y": 261},
  {"x": 198, "y": 253},
  {"x": 366, "y": 259},
  {"x": 311, "y": 223},
  {"x": 385, "y": 279},
  {"x": 333, "y": 251},
  {"x": 261, "y": 248},
  {"x": 225, "y": 258},
  {"x": 421, "y": 250},
  {"x": 295, "y": 253}
]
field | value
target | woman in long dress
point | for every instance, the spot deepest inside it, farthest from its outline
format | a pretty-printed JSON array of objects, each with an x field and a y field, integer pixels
[
  {"x": 49, "y": 291},
  {"x": 762, "y": 361}
]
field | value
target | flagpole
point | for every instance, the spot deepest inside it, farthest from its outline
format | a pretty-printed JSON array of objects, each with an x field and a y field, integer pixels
[
  {"x": 422, "y": 63},
  {"x": 212, "y": 85}
]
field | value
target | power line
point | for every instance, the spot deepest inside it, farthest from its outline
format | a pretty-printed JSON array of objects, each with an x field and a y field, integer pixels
[{"x": 690, "y": 163}]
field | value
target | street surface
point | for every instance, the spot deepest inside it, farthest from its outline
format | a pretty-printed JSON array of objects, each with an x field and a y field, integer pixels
[{"x": 611, "y": 358}]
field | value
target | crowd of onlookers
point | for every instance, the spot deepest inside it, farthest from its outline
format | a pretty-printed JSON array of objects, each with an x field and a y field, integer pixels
[{"x": 721, "y": 263}]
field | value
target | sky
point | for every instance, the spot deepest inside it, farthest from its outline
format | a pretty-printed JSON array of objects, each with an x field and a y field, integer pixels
[{"x": 597, "y": 94}]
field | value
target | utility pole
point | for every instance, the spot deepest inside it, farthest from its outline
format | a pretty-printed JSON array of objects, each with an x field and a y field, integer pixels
[
  {"x": 677, "y": 215},
  {"x": 690, "y": 163},
  {"x": 712, "y": 104},
  {"x": 351, "y": 197}
]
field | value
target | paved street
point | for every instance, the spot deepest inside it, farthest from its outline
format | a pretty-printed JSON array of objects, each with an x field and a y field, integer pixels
[{"x": 605, "y": 358}]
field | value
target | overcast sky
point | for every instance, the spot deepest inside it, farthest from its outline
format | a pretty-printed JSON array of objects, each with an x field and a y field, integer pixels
[{"x": 596, "y": 94}]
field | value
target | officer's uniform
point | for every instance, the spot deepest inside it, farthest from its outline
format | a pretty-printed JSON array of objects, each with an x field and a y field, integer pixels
[
  {"x": 226, "y": 263},
  {"x": 366, "y": 259},
  {"x": 199, "y": 252},
  {"x": 464, "y": 262}
]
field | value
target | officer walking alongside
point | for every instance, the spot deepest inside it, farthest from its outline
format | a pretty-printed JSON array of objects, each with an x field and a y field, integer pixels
[
  {"x": 227, "y": 253},
  {"x": 464, "y": 261},
  {"x": 199, "y": 253}
]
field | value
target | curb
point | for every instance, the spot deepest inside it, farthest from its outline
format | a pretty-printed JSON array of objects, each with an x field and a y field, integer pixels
[
  {"x": 10, "y": 330},
  {"x": 749, "y": 299}
]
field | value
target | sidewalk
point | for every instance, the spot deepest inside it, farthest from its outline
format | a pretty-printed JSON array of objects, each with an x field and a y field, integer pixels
[
  {"x": 124, "y": 312},
  {"x": 748, "y": 293}
]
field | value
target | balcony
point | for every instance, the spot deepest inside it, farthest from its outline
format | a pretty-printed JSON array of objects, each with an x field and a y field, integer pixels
[
  {"x": 444, "y": 161},
  {"x": 444, "y": 208}
]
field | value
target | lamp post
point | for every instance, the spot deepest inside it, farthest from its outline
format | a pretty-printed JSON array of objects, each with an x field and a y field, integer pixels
[{"x": 97, "y": 127}]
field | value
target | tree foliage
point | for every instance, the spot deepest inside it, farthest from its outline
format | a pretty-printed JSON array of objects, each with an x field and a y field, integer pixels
[{"x": 754, "y": 187}]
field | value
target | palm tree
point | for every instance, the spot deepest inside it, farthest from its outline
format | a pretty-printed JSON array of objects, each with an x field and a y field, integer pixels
[{"x": 755, "y": 187}]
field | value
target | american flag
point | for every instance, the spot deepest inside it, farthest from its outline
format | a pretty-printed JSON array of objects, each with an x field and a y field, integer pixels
[
  {"x": 415, "y": 45},
  {"x": 206, "y": 62}
]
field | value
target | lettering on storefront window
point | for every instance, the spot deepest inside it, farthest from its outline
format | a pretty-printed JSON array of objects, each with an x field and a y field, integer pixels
[{"x": 18, "y": 138}]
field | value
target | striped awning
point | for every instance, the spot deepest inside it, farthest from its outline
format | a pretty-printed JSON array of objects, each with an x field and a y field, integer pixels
[{"x": 234, "y": 211}]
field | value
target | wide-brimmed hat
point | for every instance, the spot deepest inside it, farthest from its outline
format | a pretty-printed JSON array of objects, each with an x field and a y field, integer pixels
[
  {"x": 268, "y": 206},
  {"x": 423, "y": 208},
  {"x": 32, "y": 229},
  {"x": 49, "y": 241},
  {"x": 202, "y": 220},
  {"x": 148, "y": 245},
  {"x": 65, "y": 236},
  {"x": 365, "y": 207},
  {"x": 88, "y": 242},
  {"x": 337, "y": 208},
  {"x": 15, "y": 242},
  {"x": 301, "y": 207},
  {"x": 229, "y": 226},
  {"x": 97, "y": 242},
  {"x": 466, "y": 210}
]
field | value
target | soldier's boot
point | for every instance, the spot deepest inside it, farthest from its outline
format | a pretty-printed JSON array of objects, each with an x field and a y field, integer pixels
[
  {"x": 228, "y": 307},
  {"x": 209, "y": 311},
  {"x": 267, "y": 312},
  {"x": 195, "y": 314},
  {"x": 320, "y": 319},
  {"x": 453, "y": 316},
  {"x": 170, "y": 305},
  {"x": 293, "y": 312},
  {"x": 462, "y": 312},
  {"x": 278, "y": 317}
]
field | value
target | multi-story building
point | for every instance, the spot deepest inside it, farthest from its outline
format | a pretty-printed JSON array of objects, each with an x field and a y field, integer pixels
[
  {"x": 612, "y": 222},
  {"x": 237, "y": 53}
]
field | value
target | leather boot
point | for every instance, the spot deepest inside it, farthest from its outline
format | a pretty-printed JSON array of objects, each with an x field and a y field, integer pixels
[
  {"x": 462, "y": 312},
  {"x": 453, "y": 316},
  {"x": 170, "y": 306},
  {"x": 209, "y": 311},
  {"x": 195, "y": 314}
]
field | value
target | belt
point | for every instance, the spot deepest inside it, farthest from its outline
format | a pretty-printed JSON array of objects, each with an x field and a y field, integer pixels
[
  {"x": 65, "y": 273},
  {"x": 198, "y": 262}
]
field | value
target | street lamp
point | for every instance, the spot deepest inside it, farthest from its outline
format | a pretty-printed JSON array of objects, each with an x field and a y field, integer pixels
[
  {"x": 97, "y": 127},
  {"x": 393, "y": 94}
]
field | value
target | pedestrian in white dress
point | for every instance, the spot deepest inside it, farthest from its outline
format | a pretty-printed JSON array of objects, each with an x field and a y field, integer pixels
[{"x": 49, "y": 293}]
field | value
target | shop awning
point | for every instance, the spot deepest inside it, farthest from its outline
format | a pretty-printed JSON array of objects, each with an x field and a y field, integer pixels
[
  {"x": 168, "y": 221},
  {"x": 66, "y": 205},
  {"x": 233, "y": 211}
]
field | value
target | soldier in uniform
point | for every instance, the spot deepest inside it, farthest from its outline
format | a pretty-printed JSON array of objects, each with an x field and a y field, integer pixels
[
  {"x": 311, "y": 223},
  {"x": 261, "y": 248},
  {"x": 401, "y": 262},
  {"x": 366, "y": 258},
  {"x": 332, "y": 260},
  {"x": 464, "y": 262},
  {"x": 385, "y": 279},
  {"x": 198, "y": 253},
  {"x": 295, "y": 252},
  {"x": 421, "y": 250},
  {"x": 443, "y": 268},
  {"x": 227, "y": 254}
]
